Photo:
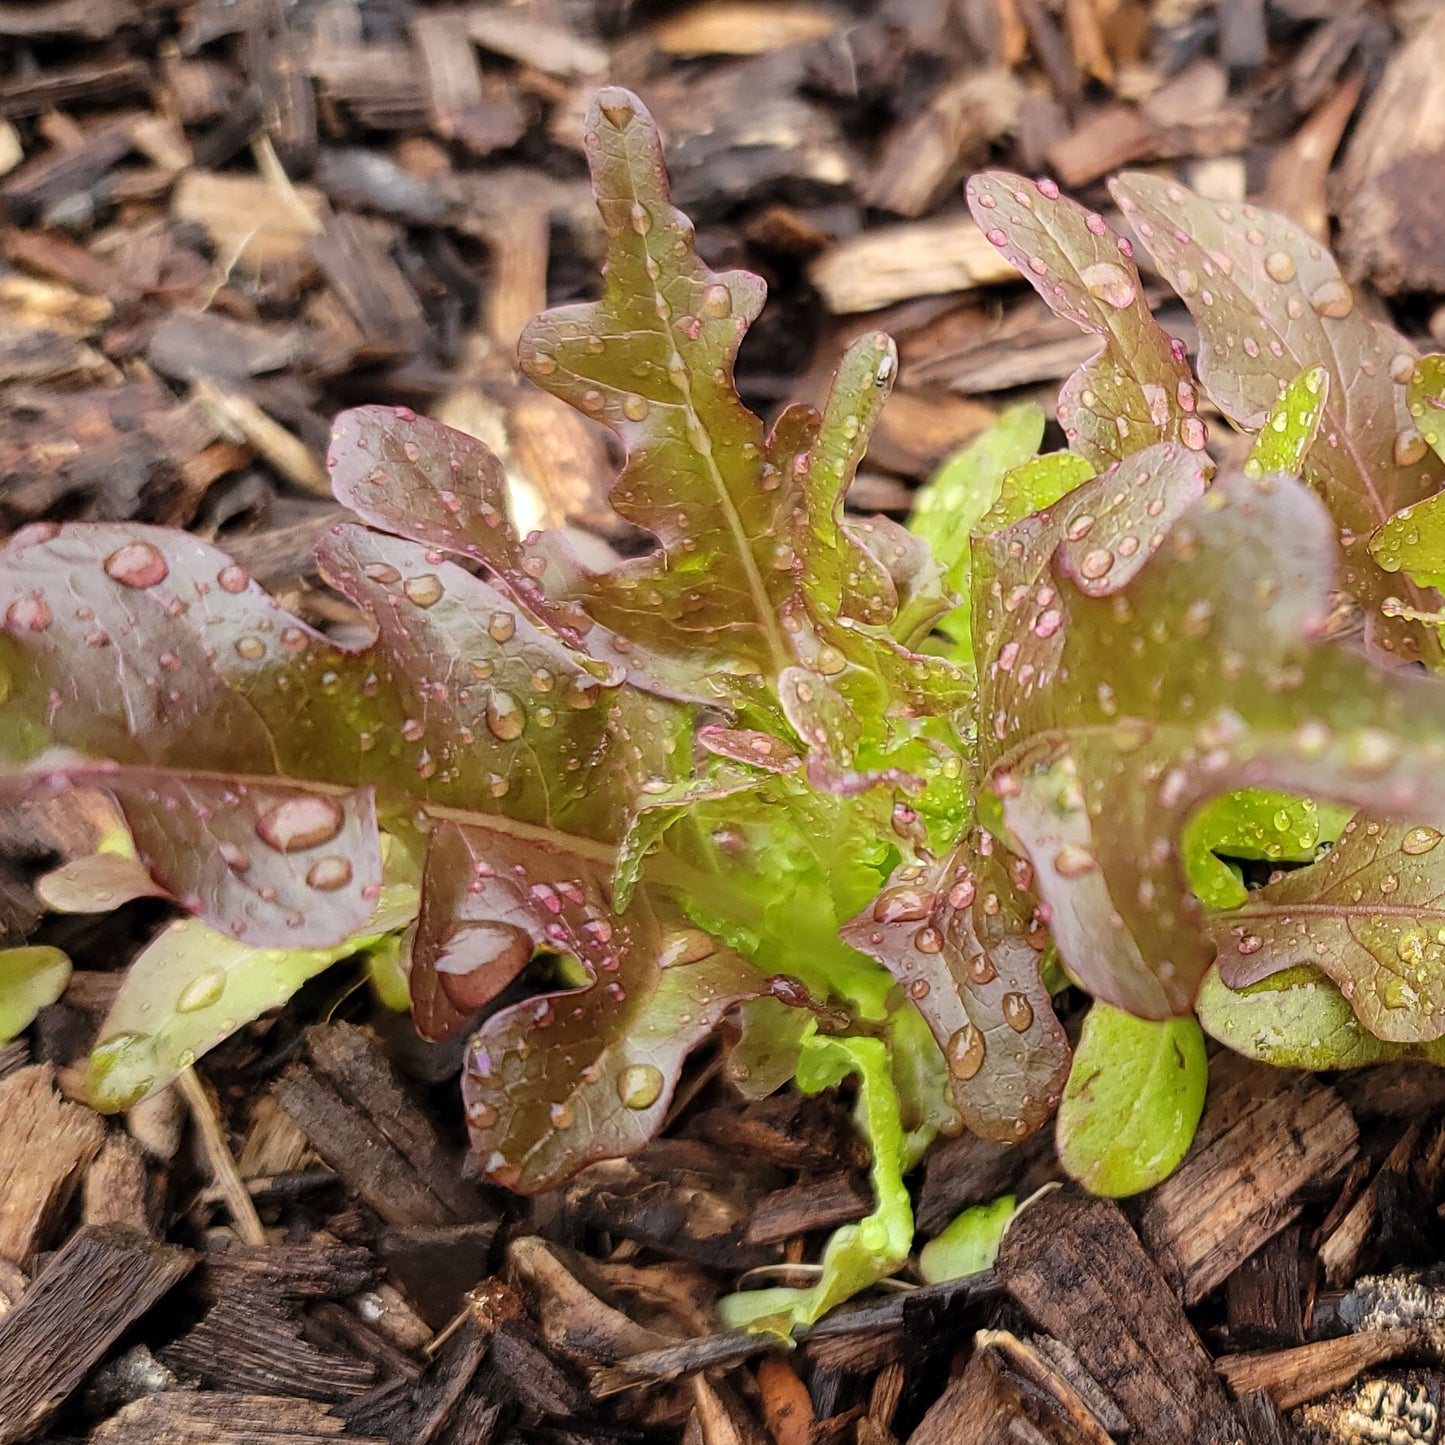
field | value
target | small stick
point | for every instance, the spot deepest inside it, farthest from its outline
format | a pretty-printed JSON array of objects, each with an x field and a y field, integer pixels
[{"x": 224, "y": 1174}]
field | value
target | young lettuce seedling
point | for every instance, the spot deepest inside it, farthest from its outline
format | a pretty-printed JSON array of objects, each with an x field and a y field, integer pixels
[{"x": 847, "y": 788}]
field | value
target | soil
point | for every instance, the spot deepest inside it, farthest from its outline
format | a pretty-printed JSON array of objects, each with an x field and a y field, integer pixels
[{"x": 223, "y": 220}]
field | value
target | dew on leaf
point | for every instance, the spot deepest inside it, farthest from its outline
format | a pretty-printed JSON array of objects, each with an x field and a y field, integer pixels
[
  {"x": 28, "y": 614},
  {"x": 1279, "y": 266},
  {"x": 299, "y": 823},
  {"x": 902, "y": 905},
  {"x": 1332, "y": 298},
  {"x": 928, "y": 940},
  {"x": 137, "y": 564},
  {"x": 635, "y": 408},
  {"x": 1018, "y": 1012},
  {"x": 1111, "y": 283},
  {"x": 639, "y": 1086},
  {"x": 1420, "y": 840},
  {"x": 424, "y": 590},
  {"x": 330, "y": 873},
  {"x": 1073, "y": 860},
  {"x": 233, "y": 579},
  {"x": 1096, "y": 564},
  {"x": 965, "y": 1052},
  {"x": 202, "y": 991},
  {"x": 505, "y": 718},
  {"x": 501, "y": 626}
]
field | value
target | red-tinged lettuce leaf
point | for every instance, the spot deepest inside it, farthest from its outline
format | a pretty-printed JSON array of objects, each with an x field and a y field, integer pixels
[
  {"x": 583, "y": 1073},
  {"x": 1204, "y": 675},
  {"x": 653, "y": 360},
  {"x": 1270, "y": 302},
  {"x": 262, "y": 859},
  {"x": 961, "y": 939},
  {"x": 96, "y": 883},
  {"x": 416, "y": 478},
  {"x": 1370, "y": 914},
  {"x": 1101, "y": 534},
  {"x": 1138, "y": 390}
]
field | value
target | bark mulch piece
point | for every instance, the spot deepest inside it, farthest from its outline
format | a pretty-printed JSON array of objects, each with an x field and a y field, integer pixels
[{"x": 222, "y": 222}]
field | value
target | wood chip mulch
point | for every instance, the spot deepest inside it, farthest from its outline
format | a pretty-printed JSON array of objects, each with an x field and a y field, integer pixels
[{"x": 223, "y": 220}]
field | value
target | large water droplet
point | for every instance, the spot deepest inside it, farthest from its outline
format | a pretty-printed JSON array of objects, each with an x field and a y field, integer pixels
[
  {"x": 639, "y": 218},
  {"x": 1096, "y": 564},
  {"x": 639, "y": 1086},
  {"x": 1332, "y": 298},
  {"x": 965, "y": 1052},
  {"x": 1279, "y": 266},
  {"x": 233, "y": 579},
  {"x": 717, "y": 301},
  {"x": 306, "y": 821},
  {"x": 505, "y": 718},
  {"x": 501, "y": 626},
  {"x": 330, "y": 873},
  {"x": 1018, "y": 1012},
  {"x": 1420, "y": 840},
  {"x": 202, "y": 991},
  {"x": 635, "y": 408},
  {"x": 1073, "y": 860},
  {"x": 137, "y": 564},
  {"x": 28, "y": 614},
  {"x": 902, "y": 905},
  {"x": 425, "y": 590},
  {"x": 1110, "y": 282}
]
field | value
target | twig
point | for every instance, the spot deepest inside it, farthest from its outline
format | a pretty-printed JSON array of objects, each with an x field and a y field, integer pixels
[{"x": 224, "y": 1174}]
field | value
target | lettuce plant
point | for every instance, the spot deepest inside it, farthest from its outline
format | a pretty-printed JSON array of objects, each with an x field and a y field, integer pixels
[{"x": 857, "y": 799}]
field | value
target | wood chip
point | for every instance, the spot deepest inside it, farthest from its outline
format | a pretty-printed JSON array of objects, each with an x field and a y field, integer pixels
[
  {"x": 1265, "y": 1135},
  {"x": 1078, "y": 1270},
  {"x": 82, "y": 1302},
  {"x": 185, "y": 1418},
  {"x": 896, "y": 263},
  {"x": 1305, "y": 1373},
  {"x": 45, "y": 1146},
  {"x": 742, "y": 27}
]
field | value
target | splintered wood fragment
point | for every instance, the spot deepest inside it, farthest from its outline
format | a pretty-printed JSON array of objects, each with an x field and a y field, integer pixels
[
  {"x": 1009, "y": 1392},
  {"x": 117, "y": 1187},
  {"x": 809, "y": 1205},
  {"x": 449, "y": 64},
  {"x": 1078, "y": 1270},
  {"x": 917, "y": 430},
  {"x": 1392, "y": 192},
  {"x": 1107, "y": 140},
  {"x": 563, "y": 457},
  {"x": 1265, "y": 1295},
  {"x": 45, "y": 1146},
  {"x": 186, "y": 1418},
  {"x": 251, "y": 1342},
  {"x": 1265, "y": 1135},
  {"x": 368, "y": 280},
  {"x": 742, "y": 27},
  {"x": 518, "y": 290},
  {"x": 926, "y": 155},
  {"x": 1299, "y": 170},
  {"x": 896, "y": 263},
  {"x": 352, "y": 1108},
  {"x": 245, "y": 421},
  {"x": 1342, "y": 1250},
  {"x": 247, "y": 218},
  {"x": 534, "y": 40},
  {"x": 88, "y": 1294},
  {"x": 1308, "y": 1371}
]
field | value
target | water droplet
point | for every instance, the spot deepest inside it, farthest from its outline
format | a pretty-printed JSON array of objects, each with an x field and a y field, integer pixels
[
  {"x": 635, "y": 408},
  {"x": 1420, "y": 840},
  {"x": 425, "y": 590},
  {"x": 966, "y": 1051},
  {"x": 1250, "y": 943},
  {"x": 1409, "y": 447},
  {"x": 137, "y": 564},
  {"x": 928, "y": 940},
  {"x": 480, "y": 1114},
  {"x": 1073, "y": 860},
  {"x": 639, "y": 218},
  {"x": 561, "y": 1115},
  {"x": 717, "y": 301},
  {"x": 1018, "y": 1012},
  {"x": 592, "y": 400},
  {"x": 329, "y": 874},
  {"x": 1332, "y": 298},
  {"x": 505, "y": 718},
  {"x": 981, "y": 969},
  {"x": 1279, "y": 266},
  {"x": 233, "y": 579},
  {"x": 28, "y": 614},
  {"x": 298, "y": 823},
  {"x": 1110, "y": 282},
  {"x": 1096, "y": 564},
  {"x": 202, "y": 991},
  {"x": 902, "y": 905},
  {"x": 251, "y": 648},
  {"x": 501, "y": 626},
  {"x": 639, "y": 1086},
  {"x": 1193, "y": 434}
]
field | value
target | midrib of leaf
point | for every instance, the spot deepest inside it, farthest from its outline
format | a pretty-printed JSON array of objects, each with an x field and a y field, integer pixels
[
  {"x": 701, "y": 440},
  {"x": 1333, "y": 910}
]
